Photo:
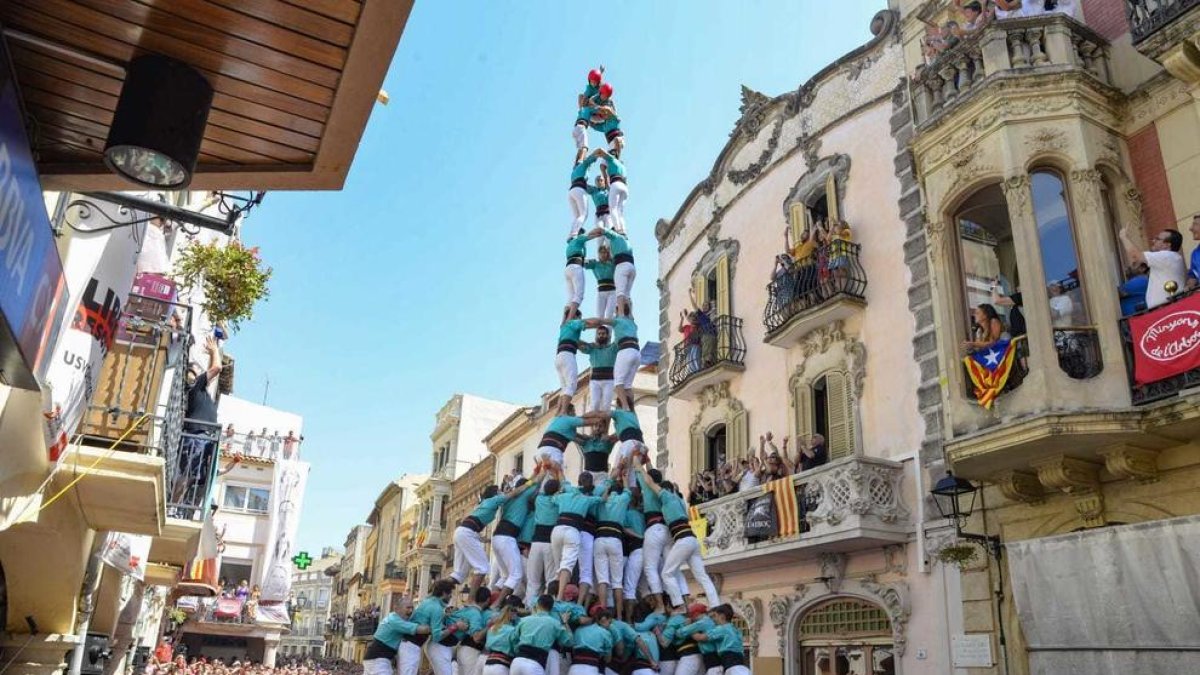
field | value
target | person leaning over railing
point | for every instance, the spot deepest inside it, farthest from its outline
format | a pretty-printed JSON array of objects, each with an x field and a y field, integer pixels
[
  {"x": 198, "y": 444},
  {"x": 1164, "y": 260}
]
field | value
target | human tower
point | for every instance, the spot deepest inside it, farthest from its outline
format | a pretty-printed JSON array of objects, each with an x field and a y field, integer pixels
[{"x": 585, "y": 576}]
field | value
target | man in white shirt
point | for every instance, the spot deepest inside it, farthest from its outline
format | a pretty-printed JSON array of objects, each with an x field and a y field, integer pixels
[{"x": 1165, "y": 263}]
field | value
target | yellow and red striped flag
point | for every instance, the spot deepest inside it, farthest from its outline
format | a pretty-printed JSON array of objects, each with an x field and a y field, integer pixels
[
  {"x": 699, "y": 527},
  {"x": 787, "y": 509}
]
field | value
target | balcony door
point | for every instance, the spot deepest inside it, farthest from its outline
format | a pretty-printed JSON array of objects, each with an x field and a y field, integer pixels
[{"x": 715, "y": 449}]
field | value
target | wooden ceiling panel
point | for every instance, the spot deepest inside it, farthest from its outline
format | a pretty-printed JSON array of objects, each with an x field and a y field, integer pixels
[{"x": 294, "y": 81}]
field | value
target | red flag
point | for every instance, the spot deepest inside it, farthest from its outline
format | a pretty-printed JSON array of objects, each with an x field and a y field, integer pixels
[{"x": 1166, "y": 340}]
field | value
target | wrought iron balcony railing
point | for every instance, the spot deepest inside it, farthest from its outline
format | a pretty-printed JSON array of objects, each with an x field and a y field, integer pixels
[
  {"x": 365, "y": 627},
  {"x": 1050, "y": 42},
  {"x": 393, "y": 571},
  {"x": 1078, "y": 352},
  {"x": 715, "y": 343},
  {"x": 268, "y": 447},
  {"x": 1158, "y": 390},
  {"x": 1147, "y": 17},
  {"x": 832, "y": 272}
]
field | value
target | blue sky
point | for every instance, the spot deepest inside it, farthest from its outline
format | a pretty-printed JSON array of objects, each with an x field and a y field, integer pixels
[{"x": 438, "y": 269}]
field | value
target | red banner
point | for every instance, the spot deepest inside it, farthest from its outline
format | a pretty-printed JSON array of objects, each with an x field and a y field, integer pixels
[{"x": 1166, "y": 341}]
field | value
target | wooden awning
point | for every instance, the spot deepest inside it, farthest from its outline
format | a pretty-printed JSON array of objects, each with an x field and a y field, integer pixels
[{"x": 294, "y": 81}]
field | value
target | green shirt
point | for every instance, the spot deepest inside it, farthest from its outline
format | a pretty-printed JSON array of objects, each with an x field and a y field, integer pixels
[
  {"x": 472, "y": 616},
  {"x": 623, "y": 634},
  {"x": 393, "y": 628},
  {"x": 701, "y": 625},
  {"x": 577, "y": 246},
  {"x": 650, "y": 501},
  {"x": 501, "y": 639},
  {"x": 574, "y": 609},
  {"x": 603, "y": 271},
  {"x": 617, "y": 244},
  {"x": 673, "y": 507},
  {"x": 614, "y": 508},
  {"x": 571, "y": 500},
  {"x": 623, "y": 327},
  {"x": 571, "y": 330},
  {"x": 545, "y": 510},
  {"x": 542, "y": 631},
  {"x": 599, "y": 445},
  {"x": 652, "y": 621},
  {"x": 727, "y": 638},
  {"x": 580, "y": 170},
  {"x": 516, "y": 510},
  {"x": 651, "y": 644},
  {"x": 671, "y": 628},
  {"x": 601, "y": 357},
  {"x": 431, "y": 612},
  {"x": 486, "y": 511},
  {"x": 565, "y": 426},
  {"x": 635, "y": 522},
  {"x": 594, "y": 638},
  {"x": 625, "y": 420}
]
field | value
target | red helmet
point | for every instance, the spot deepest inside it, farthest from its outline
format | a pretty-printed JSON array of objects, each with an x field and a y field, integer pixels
[
  {"x": 606, "y": 90},
  {"x": 594, "y": 76}
]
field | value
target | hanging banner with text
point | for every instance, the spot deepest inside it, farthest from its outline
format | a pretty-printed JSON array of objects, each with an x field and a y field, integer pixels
[{"x": 1166, "y": 340}]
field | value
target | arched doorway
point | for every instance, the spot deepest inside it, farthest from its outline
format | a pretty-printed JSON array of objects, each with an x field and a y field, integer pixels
[{"x": 846, "y": 636}]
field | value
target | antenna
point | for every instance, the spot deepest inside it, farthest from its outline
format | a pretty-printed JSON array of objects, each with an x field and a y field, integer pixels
[{"x": 266, "y": 388}]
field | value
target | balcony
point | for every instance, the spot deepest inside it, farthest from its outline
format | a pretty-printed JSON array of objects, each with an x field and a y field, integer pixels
[
  {"x": 260, "y": 447},
  {"x": 132, "y": 435},
  {"x": 393, "y": 571},
  {"x": 1009, "y": 48},
  {"x": 717, "y": 356},
  {"x": 365, "y": 627},
  {"x": 850, "y": 504},
  {"x": 829, "y": 286},
  {"x": 1166, "y": 31}
]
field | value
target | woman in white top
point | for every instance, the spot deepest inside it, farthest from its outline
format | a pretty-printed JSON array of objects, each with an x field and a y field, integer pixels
[{"x": 1062, "y": 308}]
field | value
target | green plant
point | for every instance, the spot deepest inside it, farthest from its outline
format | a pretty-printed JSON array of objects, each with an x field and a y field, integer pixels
[
  {"x": 232, "y": 278},
  {"x": 177, "y": 616},
  {"x": 958, "y": 554}
]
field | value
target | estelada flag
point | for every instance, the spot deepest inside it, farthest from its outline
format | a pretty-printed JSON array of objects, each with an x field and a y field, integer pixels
[{"x": 989, "y": 369}]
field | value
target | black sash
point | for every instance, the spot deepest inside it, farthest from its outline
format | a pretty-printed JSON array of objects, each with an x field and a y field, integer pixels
[
  {"x": 579, "y": 183},
  {"x": 507, "y": 529},
  {"x": 570, "y": 520},
  {"x": 416, "y": 639},
  {"x": 616, "y": 179},
  {"x": 606, "y": 285},
  {"x": 623, "y": 257},
  {"x": 585, "y": 657},
  {"x": 498, "y": 659},
  {"x": 681, "y": 529},
  {"x": 731, "y": 659},
  {"x": 608, "y": 528},
  {"x": 595, "y": 461},
  {"x": 574, "y": 260},
  {"x": 533, "y": 654},
  {"x": 627, "y": 343},
  {"x": 629, "y": 544},
  {"x": 379, "y": 650},
  {"x": 654, "y": 518},
  {"x": 541, "y": 533},
  {"x": 554, "y": 440},
  {"x": 711, "y": 660},
  {"x": 449, "y": 641},
  {"x": 472, "y": 523},
  {"x": 602, "y": 210},
  {"x": 602, "y": 373},
  {"x": 568, "y": 346}
]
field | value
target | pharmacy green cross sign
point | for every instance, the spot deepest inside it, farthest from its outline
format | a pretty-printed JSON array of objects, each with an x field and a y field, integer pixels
[{"x": 302, "y": 561}]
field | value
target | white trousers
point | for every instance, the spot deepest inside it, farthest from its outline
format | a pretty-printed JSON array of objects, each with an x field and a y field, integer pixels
[
  {"x": 737, "y": 670},
  {"x": 667, "y": 667},
  {"x": 409, "y": 658},
  {"x": 654, "y": 547},
  {"x": 508, "y": 561},
  {"x": 377, "y": 667},
  {"x": 548, "y": 452},
  {"x": 691, "y": 664},
  {"x": 577, "y": 197},
  {"x": 618, "y": 193},
  {"x": 633, "y": 575},
  {"x": 495, "y": 669},
  {"x": 715, "y": 670},
  {"x": 623, "y": 276},
  {"x": 644, "y": 671},
  {"x": 469, "y": 554},
  {"x": 579, "y": 134},
  {"x": 587, "y": 542},
  {"x": 626, "y": 367},
  {"x": 687, "y": 550},
  {"x": 441, "y": 659},
  {"x": 606, "y": 304},
  {"x": 538, "y": 571},
  {"x": 524, "y": 666},
  {"x": 581, "y": 669},
  {"x": 568, "y": 371},
  {"x": 554, "y": 662},
  {"x": 564, "y": 543},
  {"x": 609, "y": 561},
  {"x": 601, "y": 394},
  {"x": 469, "y": 660},
  {"x": 575, "y": 283}
]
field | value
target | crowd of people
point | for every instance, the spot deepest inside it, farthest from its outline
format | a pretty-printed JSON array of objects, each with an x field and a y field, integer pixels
[
  {"x": 814, "y": 267},
  {"x": 260, "y": 444},
  {"x": 975, "y": 15},
  {"x": 164, "y": 662},
  {"x": 759, "y": 468}
]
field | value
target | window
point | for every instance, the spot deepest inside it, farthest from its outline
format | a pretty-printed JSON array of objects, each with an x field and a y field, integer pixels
[
  {"x": 234, "y": 572},
  {"x": 519, "y": 462},
  {"x": 322, "y": 598},
  {"x": 846, "y": 636},
  {"x": 715, "y": 454},
  {"x": 820, "y": 206},
  {"x": 244, "y": 498},
  {"x": 825, "y": 406}
]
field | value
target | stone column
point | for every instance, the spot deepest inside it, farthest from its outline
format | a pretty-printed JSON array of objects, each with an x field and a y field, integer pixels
[{"x": 270, "y": 649}]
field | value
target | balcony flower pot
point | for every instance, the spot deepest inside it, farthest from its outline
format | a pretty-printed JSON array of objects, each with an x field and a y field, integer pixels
[
  {"x": 960, "y": 554},
  {"x": 232, "y": 278}
]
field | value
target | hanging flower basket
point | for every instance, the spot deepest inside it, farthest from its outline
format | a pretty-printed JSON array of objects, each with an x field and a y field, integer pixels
[
  {"x": 958, "y": 554},
  {"x": 232, "y": 278}
]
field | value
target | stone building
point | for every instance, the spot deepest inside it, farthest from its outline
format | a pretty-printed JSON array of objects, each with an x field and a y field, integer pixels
[
  {"x": 313, "y": 591},
  {"x": 464, "y": 497}
]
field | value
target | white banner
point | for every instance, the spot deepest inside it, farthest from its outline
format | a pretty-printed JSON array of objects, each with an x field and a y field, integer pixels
[
  {"x": 286, "y": 495},
  {"x": 126, "y": 553},
  {"x": 99, "y": 272}
]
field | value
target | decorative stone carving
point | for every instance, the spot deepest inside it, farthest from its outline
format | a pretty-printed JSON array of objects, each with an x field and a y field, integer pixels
[
  {"x": 718, "y": 249},
  {"x": 1087, "y": 184},
  {"x": 1133, "y": 200},
  {"x": 1019, "y": 486},
  {"x": 1016, "y": 191},
  {"x": 1090, "y": 507},
  {"x": 743, "y": 176},
  {"x": 855, "y": 69},
  {"x": 858, "y": 366},
  {"x": 821, "y": 339},
  {"x": 935, "y": 234},
  {"x": 858, "y": 488},
  {"x": 1046, "y": 139},
  {"x": 833, "y": 570},
  {"x": 781, "y": 609},
  {"x": 1067, "y": 473},
  {"x": 661, "y": 229},
  {"x": 814, "y": 180},
  {"x": 895, "y": 559},
  {"x": 967, "y": 169},
  {"x": 894, "y": 600},
  {"x": 810, "y": 147},
  {"x": 1130, "y": 462}
]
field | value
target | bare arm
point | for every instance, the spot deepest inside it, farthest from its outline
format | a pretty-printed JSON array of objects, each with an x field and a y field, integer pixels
[
  {"x": 1132, "y": 250},
  {"x": 214, "y": 357},
  {"x": 654, "y": 487}
]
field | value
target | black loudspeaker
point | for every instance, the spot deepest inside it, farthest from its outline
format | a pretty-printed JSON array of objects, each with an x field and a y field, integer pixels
[{"x": 95, "y": 654}]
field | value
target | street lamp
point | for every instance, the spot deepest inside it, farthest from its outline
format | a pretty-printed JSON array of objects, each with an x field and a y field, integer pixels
[{"x": 955, "y": 500}]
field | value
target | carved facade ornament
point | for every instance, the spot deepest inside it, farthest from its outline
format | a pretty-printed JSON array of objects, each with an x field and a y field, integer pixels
[
  {"x": 815, "y": 180},
  {"x": 855, "y": 69},
  {"x": 781, "y": 610},
  {"x": 743, "y": 176},
  {"x": 1133, "y": 201},
  {"x": 935, "y": 234},
  {"x": 856, "y": 489},
  {"x": 1067, "y": 473},
  {"x": 833, "y": 570},
  {"x": 661, "y": 229},
  {"x": 1132, "y": 463},
  {"x": 894, "y": 600},
  {"x": 810, "y": 147},
  {"x": 1046, "y": 139},
  {"x": 1016, "y": 190},
  {"x": 895, "y": 559},
  {"x": 1090, "y": 507},
  {"x": 1019, "y": 486},
  {"x": 717, "y": 249},
  {"x": 1087, "y": 184},
  {"x": 753, "y": 111},
  {"x": 787, "y": 611},
  {"x": 822, "y": 338},
  {"x": 967, "y": 168}
]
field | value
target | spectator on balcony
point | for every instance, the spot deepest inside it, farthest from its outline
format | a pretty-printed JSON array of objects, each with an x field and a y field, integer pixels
[
  {"x": 689, "y": 327},
  {"x": 749, "y": 473},
  {"x": 776, "y": 464},
  {"x": 291, "y": 444},
  {"x": 227, "y": 439},
  {"x": 812, "y": 454},
  {"x": 264, "y": 443},
  {"x": 840, "y": 239},
  {"x": 198, "y": 446},
  {"x": 1062, "y": 309},
  {"x": 1167, "y": 271},
  {"x": 276, "y": 443},
  {"x": 1193, "y": 277},
  {"x": 1133, "y": 292},
  {"x": 986, "y": 329},
  {"x": 976, "y": 17},
  {"x": 1007, "y": 9}
]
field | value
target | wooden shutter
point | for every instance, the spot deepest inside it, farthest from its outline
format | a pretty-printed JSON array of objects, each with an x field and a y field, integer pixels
[
  {"x": 831, "y": 198},
  {"x": 798, "y": 220},
  {"x": 802, "y": 408},
  {"x": 723, "y": 309},
  {"x": 699, "y": 290},
  {"x": 699, "y": 460},
  {"x": 737, "y": 435},
  {"x": 841, "y": 441}
]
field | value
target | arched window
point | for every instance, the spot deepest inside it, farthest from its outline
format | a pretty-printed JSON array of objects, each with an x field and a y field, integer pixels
[
  {"x": 1075, "y": 339},
  {"x": 825, "y": 406},
  {"x": 846, "y": 636}
]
